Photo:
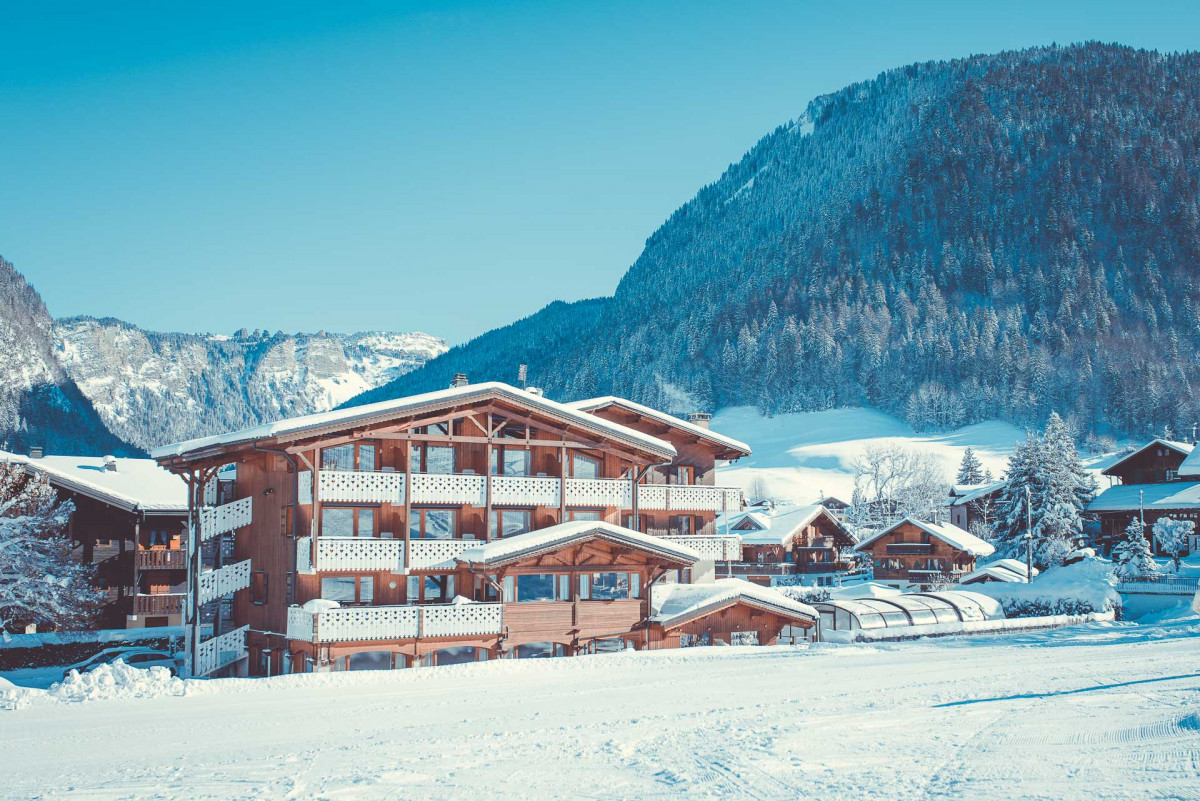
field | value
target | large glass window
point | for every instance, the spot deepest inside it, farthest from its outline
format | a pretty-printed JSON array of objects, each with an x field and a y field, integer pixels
[
  {"x": 609, "y": 586},
  {"x": 348, "y": 589},
  {"x": 347, "y": 521},
  {"x": 509, "y": 461},
  {"x": 351, "y": 456},
  {"x": 373, "y": 660},
  {"x": 433, "y": 459},
  {"x": 456, "y": 655},
  {"x": 540, "y": 650},
  {"x": 433, "y": 524},
  {"x": 541, "y": 587},
  {"x": 439, "y": 588},
  {"x": 510, "y": 522},
  {"x": 584, "y": 466},
  {"x": 585, "y": 514}
]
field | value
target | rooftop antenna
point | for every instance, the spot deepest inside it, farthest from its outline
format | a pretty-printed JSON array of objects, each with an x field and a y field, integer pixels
[{"x": 522, "y": 374}]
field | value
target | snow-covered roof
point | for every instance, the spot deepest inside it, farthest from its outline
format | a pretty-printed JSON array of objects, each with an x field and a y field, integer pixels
[
  {"x": 530, "y": 543},
  {"x": 591, "y": 404},
  {"x": 966, "y": 493},
  {"x": 1181, "y": 447},
  {"x": 1008, "y": 570},
  {"x": 135, "y": 484},
  {"x": 1125, "y": 497},
  {"x": 948, "y": 533},
  {"x": 864, "y": 589},
  {"x": 1190, "y": 468},
  {"x": 776, "y": 527},
  {"x": 673, "y": 604},
  {"x": 915, "y": 609},
  {"x": 378, "y": 412}
]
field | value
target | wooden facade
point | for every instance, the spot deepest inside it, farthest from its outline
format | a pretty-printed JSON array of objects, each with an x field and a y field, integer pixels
[
  {"x": 811, "y": 546},
  {"x": 735, "y": 623},
  {"x": 1153, "y": 471},
  {"x": 910, "y": 554},
  {"x": 1156, "y": 462}
]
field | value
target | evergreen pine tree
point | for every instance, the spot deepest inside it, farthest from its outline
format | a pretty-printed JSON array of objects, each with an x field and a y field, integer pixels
[
  {"x": 970, "y": 471},
  {"x": 1132, "y": 554}
]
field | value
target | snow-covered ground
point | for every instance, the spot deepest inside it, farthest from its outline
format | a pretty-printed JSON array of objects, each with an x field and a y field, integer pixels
[
  {"x": 802, "y": 457},
  {"x": 1097, "y": 711}
]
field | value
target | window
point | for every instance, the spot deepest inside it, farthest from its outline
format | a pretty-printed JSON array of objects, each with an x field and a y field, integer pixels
[
  {"x": 693, "y": 640},
  {"x": 541, "y": 587},
  {"x": 287, "y": 519},
  {"x": 743, "y": 638},
  {"x": 433, "y": 459},
  {"x": 539, "y": 650},
  {"x": 642, "y": 525},
  {"x": 348, "y": 590},
  {"x": 258, "y": 587},
  {"x": 158, "y": 537},
  {"x": 683, "y": 525},
  {"x": 412, "y": 589},
  {"x": 351, "y": 456},
  {"x": 371, "y": 660},
  {"x": 347, "y": 521},
  {"x": 609, "y": 586},
  {"x": 433, "y": 524},
  {"x": 456, "y": 656},
  {"x": 510, "y": 461},
  {"x": 439, "y": 588},
  {"x": 685, "y": 474},
  {"x": 584, "y": 466},
  {"x": 585, "y": 514},
  {"x": 510, "y": 522}
]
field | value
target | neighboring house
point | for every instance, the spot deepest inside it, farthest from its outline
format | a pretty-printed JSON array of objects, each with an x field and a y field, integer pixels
[
  {"x": 913, "y": 553},
  {"x": 1010, "y": 571},
  {"x": 836, "y": 506},
  {"x": 725, "y": 612},
  {"x": 476, "y": 522},
  {"x": 968, "y": 502},
  {"x": 1159, "y": 479},
  {"x": 130, "y": 521},
  {"x": 791, "y": 544}
]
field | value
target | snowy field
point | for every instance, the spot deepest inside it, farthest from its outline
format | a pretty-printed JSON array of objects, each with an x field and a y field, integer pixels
[
  {"x": 800, "y": 456},
  {"x": 1104, "y": 711}
]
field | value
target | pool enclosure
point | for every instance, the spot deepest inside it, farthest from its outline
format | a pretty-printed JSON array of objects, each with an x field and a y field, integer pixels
[{"x": 907, "y": 615}]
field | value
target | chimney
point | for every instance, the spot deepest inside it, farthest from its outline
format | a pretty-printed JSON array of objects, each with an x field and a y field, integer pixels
[
  {"x": 110, "y": 464},
  {"x": 36, "y": 452},
  {"x": 534, "y": 391},
  {"x": 699, "y": 418},
  {"x": 460, "y": 380}
]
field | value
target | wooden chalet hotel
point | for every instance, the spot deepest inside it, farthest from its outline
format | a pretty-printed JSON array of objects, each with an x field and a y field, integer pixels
[{"x": 477, "y": 522}]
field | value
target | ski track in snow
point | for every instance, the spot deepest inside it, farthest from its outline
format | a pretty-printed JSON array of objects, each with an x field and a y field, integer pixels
[{"x": 1104, "y": 711}]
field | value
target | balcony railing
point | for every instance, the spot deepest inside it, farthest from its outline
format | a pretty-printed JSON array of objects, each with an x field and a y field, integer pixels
[
  {"x": 220, "y": 651},
  {"x": 350, "y": 553},
  {"x": 346, "y": 486},
  {"x": 765, "y": 569},
  {"x": 158, "y": 603},
  {"x": 216, "y": 520},
  {"x": 222, "y": 581},
  {"x": 428, "y": 553},
  {"x": 1160, "y": 585},
  {"x": 822, "y": 543},
  {"x": 162, "y": 560},
  {"x": 901, "y": 548},
  {"x": 720, "y": 549},
  {"x": 353, "y": 624}
]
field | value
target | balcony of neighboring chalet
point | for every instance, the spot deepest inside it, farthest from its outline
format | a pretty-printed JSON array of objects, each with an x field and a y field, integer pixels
[{"x": 404, "y": 622}]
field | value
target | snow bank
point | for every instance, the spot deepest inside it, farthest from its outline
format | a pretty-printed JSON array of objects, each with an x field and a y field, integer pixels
[
  {"x": 1084, "y": 587},
  {"x": 117, "y": 680}
]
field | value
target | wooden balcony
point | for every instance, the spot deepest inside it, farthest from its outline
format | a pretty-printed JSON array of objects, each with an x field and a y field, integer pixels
[
  {"x": 162, "y": 559},
  {"x": 362, "y": 623},
  {"x": 902, "y": 548},
  {"x": 223, "y": 581},
  {"x": 221, "y": 651},
  {"x": 158, "y": 603},
  {"x": 765, "y": 569}
]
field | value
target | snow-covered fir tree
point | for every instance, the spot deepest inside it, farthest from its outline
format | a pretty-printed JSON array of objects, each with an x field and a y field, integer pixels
[
  {"x": 40, "y": 581},
  {"x": 970, "y": 471},
  {"x": 1172, "y": 537},
  {"x": 1048, "y": 485},
  {"x": 1132, "y": 554}
]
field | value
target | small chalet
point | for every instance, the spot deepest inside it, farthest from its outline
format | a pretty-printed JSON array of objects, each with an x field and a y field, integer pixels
[
  {"x": 724, "y": 612},
  {"x": 1008, "y": 571},
  {"x": 130, "y": 521},
  {"x": 836, "y": 506},
  {"x": 807, "y": 542},
  {"x": 969, "y": 501},
  {"x": 914, "y": 553},
  {"x": 1159, "y": 479}
]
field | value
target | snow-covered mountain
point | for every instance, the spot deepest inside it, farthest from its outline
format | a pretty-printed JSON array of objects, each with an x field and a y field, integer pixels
[{"x": 151, "y": 388}]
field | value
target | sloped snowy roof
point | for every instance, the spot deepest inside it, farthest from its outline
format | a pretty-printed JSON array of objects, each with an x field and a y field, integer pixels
[
  {"x": 966, "y": 493},
  {"x": 340, "y": 418},
  {"x": 776, "y": 527},
  {"x": 1181, "y": 447},
  {"x": 672, "y": 604},
  {"x": 1190, "y": 468},
  {"x": 135, "y": 484},
  {"x": 524, "y": 545},
  {"x": 1171, "y": 495},
  {"x": 864, "y": 589},
  {"x": 1008, "y": 570},
  {"x": 946, "y": 532},
  {"x": 592, "y": 404}
]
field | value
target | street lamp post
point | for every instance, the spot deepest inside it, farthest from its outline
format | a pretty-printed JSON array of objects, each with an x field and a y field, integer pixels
[{"x": 1028, "y": 535}]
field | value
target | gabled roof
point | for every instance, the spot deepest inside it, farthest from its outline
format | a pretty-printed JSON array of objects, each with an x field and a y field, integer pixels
[
  {"x": 675, "y": 604},
  {"x": 544, "y": 540},
  {"x": 592, "y": 404},
  {"x": 136, "y": 484},
  {"x": 1180, "y": 447},
  {"x": 948, "y": 533},
  {"x": 1012, "y": 571},
  {"x": 966, "y": 493},
  {"x": 1190, "y": 468},
  {"x": 778, "y": 526},
  {"x": 1155, "y": 497},
  {"x": 340, "y": 419}
]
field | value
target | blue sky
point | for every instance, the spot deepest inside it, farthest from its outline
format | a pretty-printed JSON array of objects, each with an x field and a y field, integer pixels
[{"x": 447, "y": 167}]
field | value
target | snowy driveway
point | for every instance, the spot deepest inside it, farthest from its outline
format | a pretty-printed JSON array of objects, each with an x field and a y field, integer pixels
[{"x": 1096, "y": 712}]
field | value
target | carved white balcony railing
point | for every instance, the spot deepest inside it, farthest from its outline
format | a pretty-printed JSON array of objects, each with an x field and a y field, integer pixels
[
  {"x": 525, "y": 490},
  {"x": 359, "y": 553},
  {"x": 304, "y": 555},
  {"x": 304, "y": 487},
  {"x": 720, "y": 549},
  {"x": 600, "y": 492},
  {"x": 427, "y": 553},
  {"x": 688, "y": 498},
  {"x": 354, "y": 486},
  {"x": 216, "y": 520},
  {"x": 453, "y": 488},
  {"x": 351, "y": 624},
  {"x": 221, "y": 651},
  {"x": 222, "y": 581}
]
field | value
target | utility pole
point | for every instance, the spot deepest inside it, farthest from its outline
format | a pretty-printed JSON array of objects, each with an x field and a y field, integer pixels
[{"x": 1028, "y": 535}]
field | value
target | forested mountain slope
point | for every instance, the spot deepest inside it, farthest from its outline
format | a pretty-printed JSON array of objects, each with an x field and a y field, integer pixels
[
  {"x": 998, "y": 236},
  {"x": 39, "y": 403}
]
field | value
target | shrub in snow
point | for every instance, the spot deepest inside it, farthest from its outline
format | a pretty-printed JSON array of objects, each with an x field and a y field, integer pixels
[
  {"x": 805, "y": 595},
  {"x": 1132, "y": 555},
  {"x": 117, "y": 680},
  {"x": 1172, "y": 537},
  {"x": 40, "y": 582},
  {"x": 1079, "y": 588}
]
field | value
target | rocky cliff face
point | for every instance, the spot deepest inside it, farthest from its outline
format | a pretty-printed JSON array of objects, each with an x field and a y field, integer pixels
[{"x": 152, "y": 388}]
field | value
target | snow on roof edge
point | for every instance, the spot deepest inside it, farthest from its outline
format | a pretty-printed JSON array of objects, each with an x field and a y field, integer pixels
[
  {"x": 946, "y": 532},
  {"x": 563, "y": 533},
  {"x": 590, "y": 404},
  {"x": 73, "y": 481}
]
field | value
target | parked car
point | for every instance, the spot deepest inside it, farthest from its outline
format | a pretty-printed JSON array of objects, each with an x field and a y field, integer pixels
[{"x": 134, "y": 657}]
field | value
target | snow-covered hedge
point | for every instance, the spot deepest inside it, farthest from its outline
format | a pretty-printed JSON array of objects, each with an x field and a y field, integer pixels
[
  {"x": 1081, "y": 588},
  {"x": 805, "y": 595}
]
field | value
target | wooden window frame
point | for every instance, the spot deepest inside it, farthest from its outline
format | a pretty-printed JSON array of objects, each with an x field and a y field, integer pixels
[
  {"x": 419, "y": 514},
  {"x": 356, "y": 509},
  {"x": 260, "y": 597}
]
